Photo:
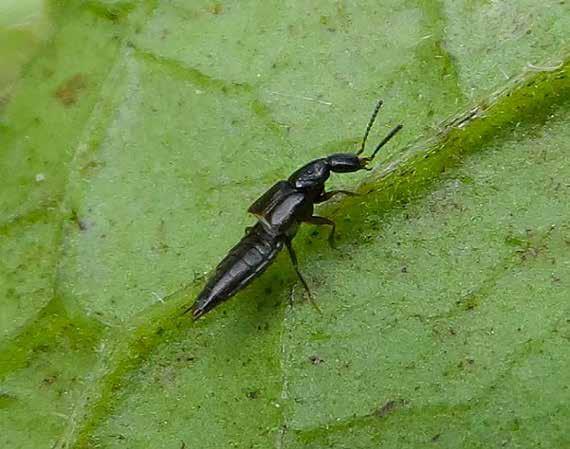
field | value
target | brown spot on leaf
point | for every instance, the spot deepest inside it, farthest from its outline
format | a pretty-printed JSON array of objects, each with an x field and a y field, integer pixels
[
  {"x": 216, "y": 9},
  {"x": 389, "y": 407},
  {"x": 68, "y": 92},
  {"x": 49, "y": 380},
  {"x": 315, "y": 360},
  {"x": 253, "y": 394}
]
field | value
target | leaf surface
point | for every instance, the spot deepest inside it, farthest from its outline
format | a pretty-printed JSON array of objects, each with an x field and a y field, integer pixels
[{"x": 139, "y": 134}]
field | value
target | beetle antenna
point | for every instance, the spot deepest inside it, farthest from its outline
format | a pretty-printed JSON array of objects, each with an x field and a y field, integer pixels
[
  {"x": 370, "y": 123},
  {"x": 385, "y": 140}
]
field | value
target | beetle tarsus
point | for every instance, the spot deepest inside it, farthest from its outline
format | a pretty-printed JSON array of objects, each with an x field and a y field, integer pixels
[{"x": 295, "y": 263}]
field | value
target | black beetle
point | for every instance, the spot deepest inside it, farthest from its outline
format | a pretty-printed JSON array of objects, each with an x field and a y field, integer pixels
[{"x": 280, "y": 211}]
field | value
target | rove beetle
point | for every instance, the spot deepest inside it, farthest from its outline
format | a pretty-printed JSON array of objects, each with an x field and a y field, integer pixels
[{"x": 280, "y": 211}]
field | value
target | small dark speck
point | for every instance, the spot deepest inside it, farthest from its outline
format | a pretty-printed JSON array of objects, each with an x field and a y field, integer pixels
[
  {"x": 253, "y": 394},
  {"x": 389, "y": 407},
  {"x": 49, "y": 380},
  {"x": 404, "y": 269},
  {"x": 315, "y": 360},
  {"x": 435, "y": 437},
  {"x": 216, "y": 9},
  {"x": 81, "y": 223}
]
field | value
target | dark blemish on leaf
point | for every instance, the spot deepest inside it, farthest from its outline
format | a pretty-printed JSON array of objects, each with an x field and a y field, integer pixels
[
  {"x": 49, "y": 380},
  {"x": 161, "y": 246},
  {"x": 68, "y": 92},
  {"x": 4, "y": 100},
  {"x": 41, "y": 348},
  {"x": 389, "y": 407},
  {"x": 81, "y": 223},
  {"x": 253, "y": 394},
  {"x": 6, "y": 400},
  {"x": 435, "y": 437},
  {"x": 315, "y": 360},
  {"x": 264, "y": 327},
  {"x": 185, "y": 358},
  {"x": 92, "y": 166},
  {"x": 47, "y": 72},
  {"x": 469, "y": 302},
  {"x": 216, "y": 9},
  {"x": 467, "y": 363},
  {"x": 246, "y": 362},
  {"x": 404, "y": 269}
]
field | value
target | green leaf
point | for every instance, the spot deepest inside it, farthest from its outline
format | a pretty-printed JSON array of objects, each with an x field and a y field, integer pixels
[{"x": 139, "y": 134}]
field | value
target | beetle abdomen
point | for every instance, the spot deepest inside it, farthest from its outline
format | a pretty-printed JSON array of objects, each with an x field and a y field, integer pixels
[{"x": 245, "y": 261}]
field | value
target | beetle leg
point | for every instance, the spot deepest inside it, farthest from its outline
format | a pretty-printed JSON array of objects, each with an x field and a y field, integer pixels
[
  {"x": 328, "y": 195},
  {"x": 324, "y": 221},
  {"x": 293, "y": 257}
]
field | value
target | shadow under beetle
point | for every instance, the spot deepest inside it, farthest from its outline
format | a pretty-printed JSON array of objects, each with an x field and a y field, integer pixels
[{"x": 280, "y": 211}]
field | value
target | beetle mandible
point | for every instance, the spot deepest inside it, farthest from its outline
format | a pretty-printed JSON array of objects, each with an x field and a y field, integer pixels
[{"x": 280, "y": 211}]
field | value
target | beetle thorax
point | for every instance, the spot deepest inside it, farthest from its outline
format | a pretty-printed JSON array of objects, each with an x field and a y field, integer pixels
[{"x": 312, "y": 176}]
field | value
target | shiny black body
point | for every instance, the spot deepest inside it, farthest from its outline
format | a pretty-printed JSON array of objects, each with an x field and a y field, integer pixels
[{"x": 280, "y": 211}]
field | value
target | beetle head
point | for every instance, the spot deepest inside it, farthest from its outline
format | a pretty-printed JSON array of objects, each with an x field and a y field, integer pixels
[
  {"x": 345, "y": 162},
  {"x": 313, "y": 175},
  {"x": 350, "y": 162}
]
